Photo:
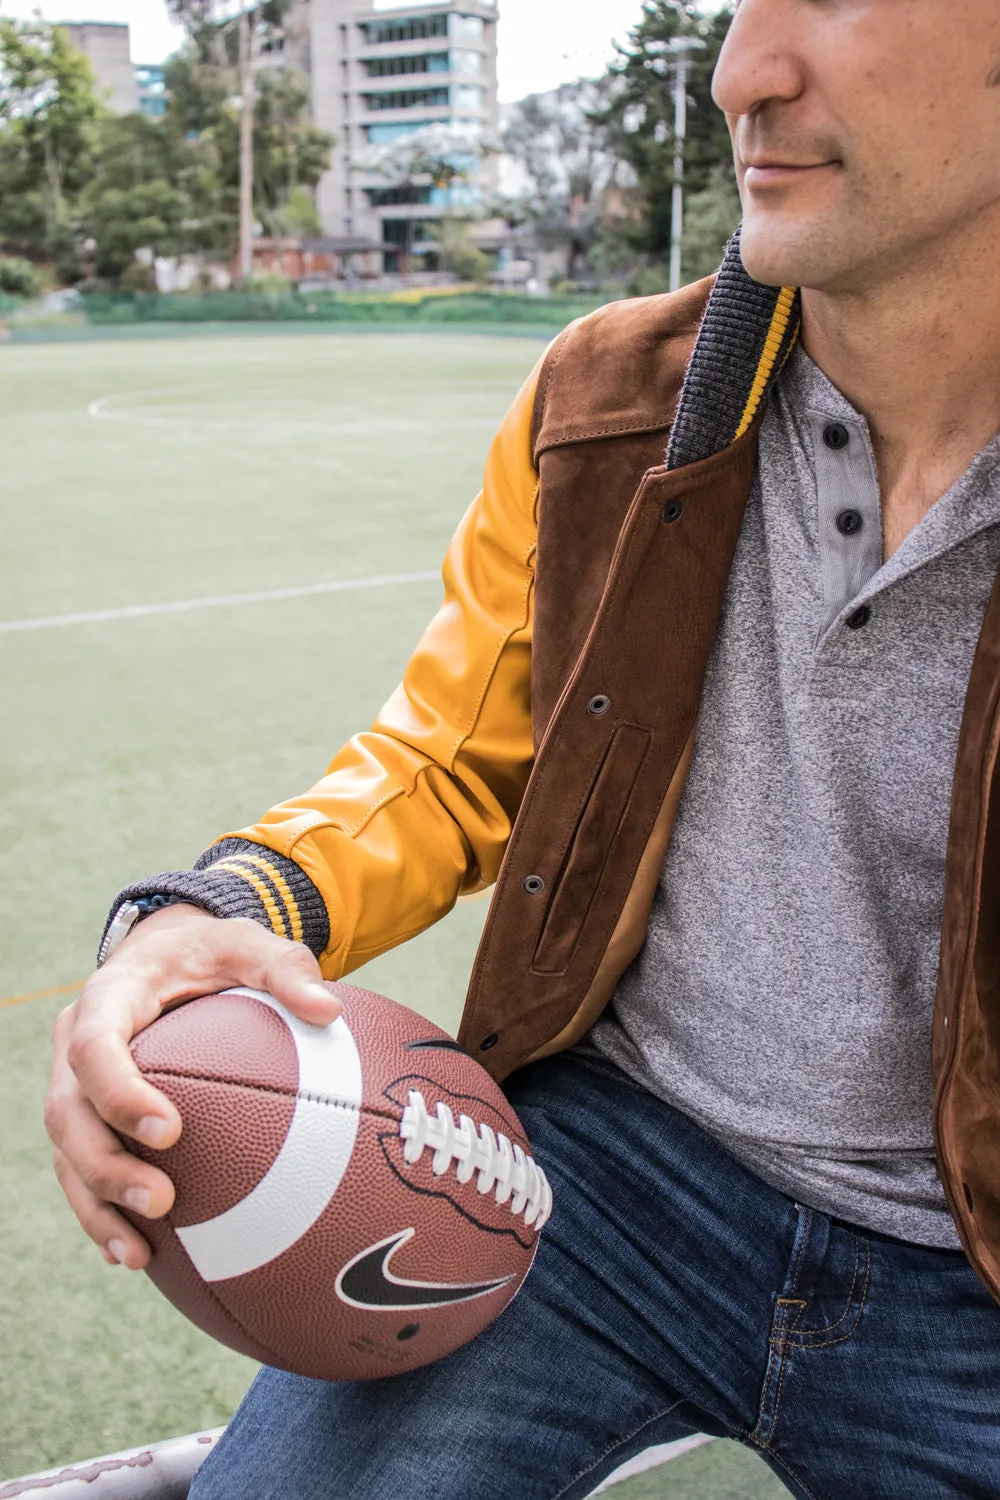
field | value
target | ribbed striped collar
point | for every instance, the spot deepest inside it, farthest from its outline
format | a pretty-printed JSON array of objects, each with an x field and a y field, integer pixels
[{"x": 746, "y": 335}]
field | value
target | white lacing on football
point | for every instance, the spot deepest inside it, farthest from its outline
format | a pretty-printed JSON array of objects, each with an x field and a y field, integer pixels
[{"x": 503, "y": 1167}]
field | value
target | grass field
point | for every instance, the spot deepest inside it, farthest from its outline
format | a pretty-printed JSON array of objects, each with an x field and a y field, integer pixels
[{"x": 146, "y": 472}]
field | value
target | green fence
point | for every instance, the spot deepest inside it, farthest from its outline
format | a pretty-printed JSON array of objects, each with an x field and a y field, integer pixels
[{"x": 118, "y": 308}]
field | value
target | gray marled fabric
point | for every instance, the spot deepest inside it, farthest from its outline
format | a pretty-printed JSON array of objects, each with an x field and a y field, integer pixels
[{"x": 784, "y": 996}]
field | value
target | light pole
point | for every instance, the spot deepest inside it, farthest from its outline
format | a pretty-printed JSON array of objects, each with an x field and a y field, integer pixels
[{"x": 681, "y": 47}]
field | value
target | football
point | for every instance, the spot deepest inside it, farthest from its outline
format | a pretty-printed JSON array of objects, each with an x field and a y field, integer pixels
[{"x": 353, "y": 1201}]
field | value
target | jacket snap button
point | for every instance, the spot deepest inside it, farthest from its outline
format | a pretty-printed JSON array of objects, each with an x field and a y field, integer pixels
[
  {"x": 599, "y": 704},
  {"x": 672, "y": 510},
  {"x": 836, "y": 435},
  {"x": 860, "y": 617},
  {"x": 849, "y": 521},
  {"x": 533, "y": 884},
  {"x": 488, "y": 1042}
]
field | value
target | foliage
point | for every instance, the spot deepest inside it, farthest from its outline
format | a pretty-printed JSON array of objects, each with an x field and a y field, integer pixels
[
  {"x": 710, "y": 217},
  {"x": 640, "y": 116},
  {"x": 88, "y": 189},
  {"x": 18, "y": 278},
  {"x": 459, "y": 253},
  {"x": 439, "y": 155},
  {"x": 571, "y": 181},
  {"x": 49, "y": 112}
]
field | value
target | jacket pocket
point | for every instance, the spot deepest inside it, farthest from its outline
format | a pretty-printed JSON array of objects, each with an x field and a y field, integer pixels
[{"x": 603, "y": 814}]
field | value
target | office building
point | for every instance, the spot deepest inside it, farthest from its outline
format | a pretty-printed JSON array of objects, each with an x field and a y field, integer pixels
[
  {"x": 106, "y": 44},
  {"x": 152, "y": 89},
  {"x": 376, "y": 76}
]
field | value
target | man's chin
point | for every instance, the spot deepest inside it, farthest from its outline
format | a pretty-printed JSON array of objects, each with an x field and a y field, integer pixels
[{"x": 778, "y": 253}]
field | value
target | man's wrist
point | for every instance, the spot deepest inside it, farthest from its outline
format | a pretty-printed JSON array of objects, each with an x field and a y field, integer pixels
[{"x": 127, "y": 918}]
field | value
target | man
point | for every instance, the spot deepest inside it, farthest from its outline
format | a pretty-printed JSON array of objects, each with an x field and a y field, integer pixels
[{"x": 731, "y": 722}]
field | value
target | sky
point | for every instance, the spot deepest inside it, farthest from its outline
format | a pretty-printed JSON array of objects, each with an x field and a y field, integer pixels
[{"x": 542, "y": 42}]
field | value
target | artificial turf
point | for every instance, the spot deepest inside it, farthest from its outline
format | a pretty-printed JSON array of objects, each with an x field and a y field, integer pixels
[{"x": 139, "y": 472}]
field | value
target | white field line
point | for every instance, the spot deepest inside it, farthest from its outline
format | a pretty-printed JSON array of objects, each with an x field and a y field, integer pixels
[
  {"x": 653, "y": 1458},
  {"x": 212, "y": 601}
]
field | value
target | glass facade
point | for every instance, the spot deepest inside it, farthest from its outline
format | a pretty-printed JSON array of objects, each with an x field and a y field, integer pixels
[
  {"x": 463, "y": 61},
  {"x": 393, "y": 67},
  {"x": 415, "y": 30},
  {"x": 408, "y": 98},
  {"x": 467, "y": 28},
  {"x": 151, "y": 84},
  {"x": 468, "y": 96}
]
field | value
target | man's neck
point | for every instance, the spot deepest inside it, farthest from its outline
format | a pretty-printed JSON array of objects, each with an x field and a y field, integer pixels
[{"x": 919, "y": 356}]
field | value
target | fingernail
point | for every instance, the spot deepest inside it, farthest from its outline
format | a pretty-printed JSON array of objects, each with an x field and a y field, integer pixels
[
  {"x": 118, "y": 1249},
  {"x": 319, "y": 992},
  {"x": 152, "y": 1129},
  {"x": 137, "y": 1198}
]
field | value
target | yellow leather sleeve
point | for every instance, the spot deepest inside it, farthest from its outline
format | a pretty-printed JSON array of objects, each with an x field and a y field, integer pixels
[{"x": 418, "y": 810}]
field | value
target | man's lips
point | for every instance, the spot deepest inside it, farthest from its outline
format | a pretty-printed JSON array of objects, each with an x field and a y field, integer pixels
[{"x": 770, "y": 173}]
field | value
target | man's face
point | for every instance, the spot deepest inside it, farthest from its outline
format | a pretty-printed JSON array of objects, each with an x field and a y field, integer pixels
[{"x": 866, "y": 134}]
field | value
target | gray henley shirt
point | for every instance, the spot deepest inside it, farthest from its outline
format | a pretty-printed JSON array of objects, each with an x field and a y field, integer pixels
[{"x": 784, "y": 996}]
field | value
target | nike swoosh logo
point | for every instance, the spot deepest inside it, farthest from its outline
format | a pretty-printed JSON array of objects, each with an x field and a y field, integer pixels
[{"x": 366, "y": 1281}]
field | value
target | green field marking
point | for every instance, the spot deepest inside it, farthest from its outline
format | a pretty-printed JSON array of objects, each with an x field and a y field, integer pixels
[{"x": 132, "y": 743}]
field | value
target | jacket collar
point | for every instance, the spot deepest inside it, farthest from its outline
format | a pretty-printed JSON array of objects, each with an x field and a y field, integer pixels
[{"x": 746, "y": 334}]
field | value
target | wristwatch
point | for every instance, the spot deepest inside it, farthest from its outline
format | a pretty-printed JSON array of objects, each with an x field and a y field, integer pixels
[{"x": 128, "y": 916}]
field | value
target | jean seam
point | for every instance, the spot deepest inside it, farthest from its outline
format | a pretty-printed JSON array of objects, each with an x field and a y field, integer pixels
[
  {"x": 582, "y": 1473},
  {"x": 764, "y": 1448},
  {"x": 832, "y": 1327},
  {"x": 827, "y": 1343}
]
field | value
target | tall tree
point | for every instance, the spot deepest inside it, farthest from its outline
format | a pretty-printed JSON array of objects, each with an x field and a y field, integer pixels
[
  {"x": 571, "y": 180},
  {"x": 640, "y": 116},
  {"x": 49, "y": 113}
]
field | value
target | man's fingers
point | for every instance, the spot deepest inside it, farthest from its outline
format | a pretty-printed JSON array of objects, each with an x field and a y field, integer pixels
[
  {"x": 119, "y": 1243},
  {"x": 284, "y": 969},
  {"x": 99, "y": 1057},
  {"x": 97, "y": 1157}
]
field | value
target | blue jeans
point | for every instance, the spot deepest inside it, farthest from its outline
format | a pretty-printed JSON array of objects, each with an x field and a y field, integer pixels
[{"x": 673, "y": 1292}]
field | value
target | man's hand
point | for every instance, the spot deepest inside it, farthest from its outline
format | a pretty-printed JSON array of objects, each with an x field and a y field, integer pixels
[{"x": 175, "y": 954}]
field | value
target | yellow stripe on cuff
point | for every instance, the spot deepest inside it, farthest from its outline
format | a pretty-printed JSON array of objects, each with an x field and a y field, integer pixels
[
  {"x": 281, "y": 885},
  {"x": 267, "y": 900},
  {"x": 765, "y": 365}
]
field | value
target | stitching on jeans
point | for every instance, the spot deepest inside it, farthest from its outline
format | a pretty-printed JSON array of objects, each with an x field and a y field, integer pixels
[
  {"x": 619, "y": 1444},
  {"x": 832, "y": 1327},
  {"x": 786, "y": 1466},
  {"x": 844, "y": 1336}
]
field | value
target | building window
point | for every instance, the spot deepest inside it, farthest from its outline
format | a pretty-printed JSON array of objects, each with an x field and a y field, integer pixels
[
  {"x": 395, "y": 196},
  {"x": 407, "y": 98},
  {"x": 467, "y": 28},
  {"x": 463, "y": 61},
  {"x": 468, "y": 96},
  {"x": 381, "y": 135},
  {"x": 417, "y": 30},
  {"x": 392, "y": 67}
]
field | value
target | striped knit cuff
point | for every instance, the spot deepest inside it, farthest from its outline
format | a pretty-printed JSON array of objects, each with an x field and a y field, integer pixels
[{"x": 239, "y": 878}]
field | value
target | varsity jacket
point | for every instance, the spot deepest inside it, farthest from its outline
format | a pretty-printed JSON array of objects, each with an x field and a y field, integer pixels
[{"x": 541, "y": 736}]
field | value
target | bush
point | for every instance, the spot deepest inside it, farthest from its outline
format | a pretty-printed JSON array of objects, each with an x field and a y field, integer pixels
[
  {"x": 649, "y": 281},
  {"x": 137, "y": 278},
  {"x": 18, "y": 278}
]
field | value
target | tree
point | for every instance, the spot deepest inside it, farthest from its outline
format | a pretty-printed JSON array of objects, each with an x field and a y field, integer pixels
[
  {"x": 269, "y": 154},
  {"x": 49, "y": 113},
  {"x": 436, "y": 155},
  {"x": 640, "y": 115},
  {"x": 573, "y": 183}
]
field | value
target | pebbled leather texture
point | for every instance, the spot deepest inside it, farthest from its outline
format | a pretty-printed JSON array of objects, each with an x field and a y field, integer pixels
[{"x": 229, "y": 1062}]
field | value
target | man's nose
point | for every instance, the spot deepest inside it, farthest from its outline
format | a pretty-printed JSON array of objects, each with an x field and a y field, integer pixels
[{"x": 757, "y": 63}]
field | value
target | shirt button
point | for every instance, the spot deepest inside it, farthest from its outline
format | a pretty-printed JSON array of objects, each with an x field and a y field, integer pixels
[
  {"x": 836, "y": 435},
  {"x": 849, "y": 521},
  {"x": 860, "y": 617}
]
